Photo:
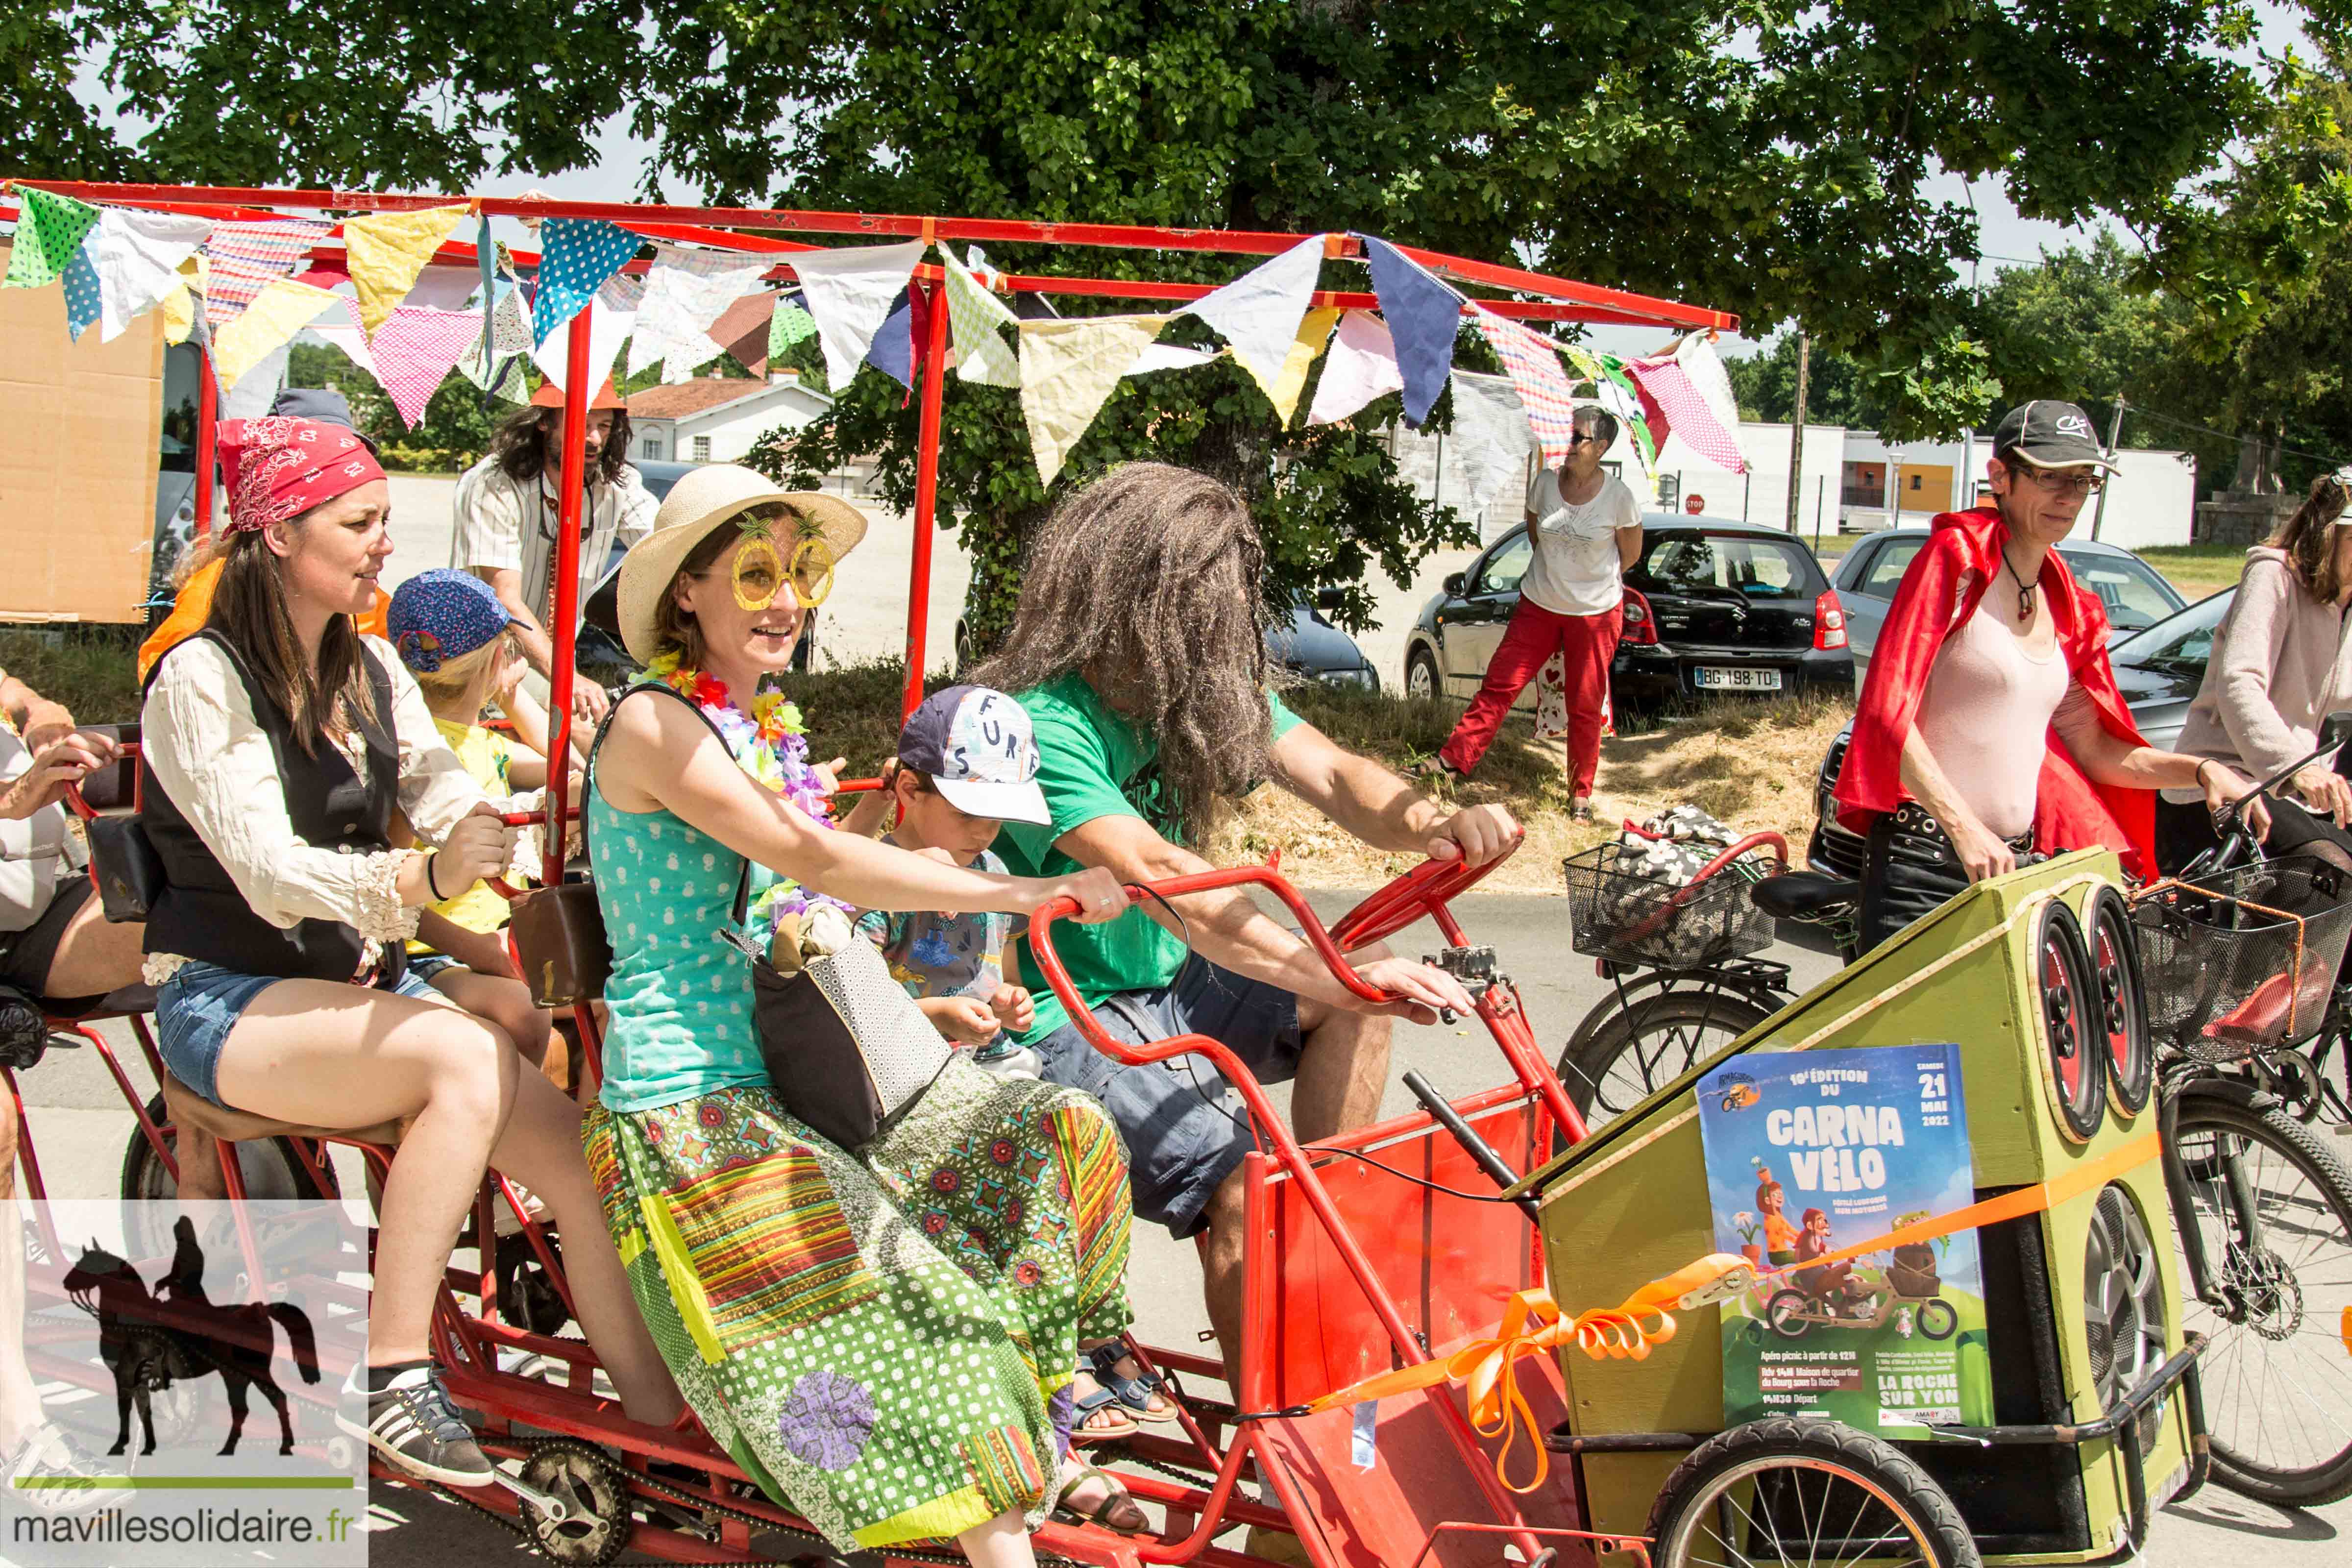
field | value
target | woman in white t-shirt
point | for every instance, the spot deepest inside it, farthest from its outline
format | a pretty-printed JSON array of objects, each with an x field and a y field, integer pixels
[{"x": 1586, "y": 530}]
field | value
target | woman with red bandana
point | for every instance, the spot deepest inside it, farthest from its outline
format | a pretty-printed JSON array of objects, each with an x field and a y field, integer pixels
[
  {"x": 1990, "y": 728},
  {"x": 277, "y": 744}
]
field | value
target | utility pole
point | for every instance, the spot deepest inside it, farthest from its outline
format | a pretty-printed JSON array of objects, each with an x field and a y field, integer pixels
[
  {"x": 2114, "y": 434},
  {"x": 1796, "y": 431}
]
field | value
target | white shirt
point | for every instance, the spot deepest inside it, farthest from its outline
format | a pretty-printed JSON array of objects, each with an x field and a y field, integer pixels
[
  {"x": 39, "y": 852},
  {"x": 1575, "y": 570},
  {"x": 215, "y": 761},
  {"x": 505, "y": 524}
]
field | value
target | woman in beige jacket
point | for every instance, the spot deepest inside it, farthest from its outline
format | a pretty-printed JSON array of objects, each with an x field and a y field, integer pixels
[{"x": 2282, "y": 662}]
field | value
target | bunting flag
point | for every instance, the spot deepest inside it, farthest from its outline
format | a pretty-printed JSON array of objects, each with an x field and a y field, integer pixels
[
  {"x": 1491, "y": 438},
  {"x": 415, "y": 351},
  {"x": 243, "y": 259},
  {"x": 49, "y": 232},
  {"x": 742, "y": 330},
  {"x": 1314, "y": 331},
  {"x": 686, "y": 291},
  {"x": 1615, "y": 391},
  {"x": 850, "y": 293},
  {"x": 789, "y": 326},
  {"x": 384, "y": 252},
  {"x": 278, "y": 309},
  {"x": 138, "y": 257},
  {"x": 341, "y": 328},
  {"x": 1170, "y": 356},
  {"x": 1696, "y": 355},
  {"x": 1422, "y": 314},
  {"x": 577, "y": 254},
  {"x": 442, "y": 288},
  {"x": 1676, "y": 392},
  {"x": 1362, "y": 366},
  {"x": 975, "y": 319},
  {"x": 82, "y": 301},
  {"x": 892, "y": 351},
  {"x": 612, "y": 317},
  {"x": 1259, "y": 314},
  {"x": 181, "y": 316},
  {"x": 1543, "y": 386},
  {"x": 1067, "y": 369}
]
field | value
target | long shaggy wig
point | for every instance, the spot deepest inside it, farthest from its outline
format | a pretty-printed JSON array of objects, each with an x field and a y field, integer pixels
[
  {"x": 1150, "y": 583},
  {"x": 519, "y": 445}
]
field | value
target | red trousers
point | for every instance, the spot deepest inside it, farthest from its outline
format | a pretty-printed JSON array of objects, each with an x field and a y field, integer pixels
[{"x": 1588, "y": 643}]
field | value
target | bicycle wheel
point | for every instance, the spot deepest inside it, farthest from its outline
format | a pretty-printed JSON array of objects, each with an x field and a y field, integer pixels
[
  {"x": 272, "y": 1172},
  {"x": 1638, "y": 1050},
  {"x": 2277, "y": 1384},
  {"x": 1788, "y": 1489}
]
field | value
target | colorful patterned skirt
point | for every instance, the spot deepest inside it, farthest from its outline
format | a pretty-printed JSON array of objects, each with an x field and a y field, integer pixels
[{"x": 881, "y": 1342}]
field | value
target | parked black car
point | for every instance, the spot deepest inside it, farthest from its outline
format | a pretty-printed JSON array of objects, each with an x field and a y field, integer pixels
[
  {"x": 600, "y": 637},
  {"x": 1713, "y": 605}
]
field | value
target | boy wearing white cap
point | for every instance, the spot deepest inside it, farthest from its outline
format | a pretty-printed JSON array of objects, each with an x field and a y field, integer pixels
[{"x": 967, "y": 763}]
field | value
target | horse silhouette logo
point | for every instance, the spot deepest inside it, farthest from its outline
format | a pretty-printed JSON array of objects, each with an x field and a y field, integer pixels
[{"x": 178, "y": 1332}]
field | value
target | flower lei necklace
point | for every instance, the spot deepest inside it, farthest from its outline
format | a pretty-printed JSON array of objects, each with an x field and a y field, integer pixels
[{"x": 771, "y": 743}]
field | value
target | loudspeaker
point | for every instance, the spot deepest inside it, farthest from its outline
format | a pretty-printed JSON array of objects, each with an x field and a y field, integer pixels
[{"x": 2035, "y": 977}]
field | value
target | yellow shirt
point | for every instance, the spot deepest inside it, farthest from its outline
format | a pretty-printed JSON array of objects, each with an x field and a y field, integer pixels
[
  {"x": 1780, "y": 1235},
  {"x": 486, "y": 755}
]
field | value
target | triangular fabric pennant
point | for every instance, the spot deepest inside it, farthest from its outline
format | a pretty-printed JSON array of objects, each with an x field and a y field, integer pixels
[
  {"x": 742, "y": 330},
  {"x": 242, "y": 258},
  {"x": 1676, "y": 393},
  {"x": 787, "y": 327},
  {"x": 83, "y": 304},
  {"x": 1259, "y": 312},
  {"x": 850, "y": 291},
  {"x": 1616, "y": 391},
  {"x": 384, "y": 252},
  {"x": 49, "y": 232},
  {"x": 1544, "y": 388},
  {"x": 686, "y": 291},
  {"x": 892, "y": 351},
  {"x": 1362, "y": 366},
  {"x": 179, "y": 308},
  {"x": 576, "y": 255},
  {"x": 439, "y": 288},
  {"x": 612, "y": 316},
  {"x": 1491, "y": 440},
  {"x": 280, "y": 309},
  {"x": 1422, "y": 314},
  {"x": 138, "y": 257},
  {"x": 1314, "y": 331},
  {"x": 1171, "y": 356},
  {"x": 1696, "y": 355},
  {"x": 415, "y": 351},
  {"x": 341, "y": 328},
  {"x": 975, "y": 320},
  {"x": 1068, "y": 371}
]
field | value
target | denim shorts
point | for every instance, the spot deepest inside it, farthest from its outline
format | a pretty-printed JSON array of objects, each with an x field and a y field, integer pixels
[
  {"x": 197, "y": 1009},
  {"x": 1185, "y": 1134}
]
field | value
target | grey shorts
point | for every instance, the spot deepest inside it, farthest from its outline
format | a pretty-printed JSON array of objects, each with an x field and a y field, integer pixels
[{"x": 1185, "y": 1134}]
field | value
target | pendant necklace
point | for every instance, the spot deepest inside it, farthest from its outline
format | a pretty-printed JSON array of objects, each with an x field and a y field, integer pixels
[{"x": 2024, "y": 589}]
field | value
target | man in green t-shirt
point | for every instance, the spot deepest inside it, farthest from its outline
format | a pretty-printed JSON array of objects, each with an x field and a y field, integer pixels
[{"x": 1140, "y": 654}]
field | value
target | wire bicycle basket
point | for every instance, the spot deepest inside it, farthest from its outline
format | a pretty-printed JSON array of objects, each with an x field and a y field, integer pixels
[
  {"x": 2243, "y": 962},
  {"x": 1634, "y": 905}
]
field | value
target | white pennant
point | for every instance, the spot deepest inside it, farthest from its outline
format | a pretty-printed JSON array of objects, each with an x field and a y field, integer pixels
[
  {"x": 1491, "y": 438},
  {"x": 686, "y": 293},
  {"x": 1259, "y": 312},
  {"x": 1362, "y": 365},
  {"x": 138, "y": 256},
  {"x": 612, "y": 316},
  {"x": 849, "y": 292},
  {"x": 342, "y": 328}
]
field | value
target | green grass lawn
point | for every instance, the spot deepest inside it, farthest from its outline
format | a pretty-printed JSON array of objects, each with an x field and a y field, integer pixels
[{"x": 2197, "y": 569}]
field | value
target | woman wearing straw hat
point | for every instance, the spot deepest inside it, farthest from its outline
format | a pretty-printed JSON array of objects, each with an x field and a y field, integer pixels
[{"x": 882, "y": 1339}]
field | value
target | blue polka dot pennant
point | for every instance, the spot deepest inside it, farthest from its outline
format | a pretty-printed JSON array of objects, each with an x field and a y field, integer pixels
[
  {"x": 83, "y": 302},
  {"x": 576, "y": 255}
]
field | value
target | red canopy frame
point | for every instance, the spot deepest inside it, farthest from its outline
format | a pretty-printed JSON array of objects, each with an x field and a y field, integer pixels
[{"x": 1554, "y": 299}]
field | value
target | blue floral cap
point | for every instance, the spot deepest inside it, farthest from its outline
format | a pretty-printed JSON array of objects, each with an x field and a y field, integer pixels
[{"x": 443, "y": 615}]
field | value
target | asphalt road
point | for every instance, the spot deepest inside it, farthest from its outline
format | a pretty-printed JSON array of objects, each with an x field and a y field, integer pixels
[{"x": 81, "y": 1126}]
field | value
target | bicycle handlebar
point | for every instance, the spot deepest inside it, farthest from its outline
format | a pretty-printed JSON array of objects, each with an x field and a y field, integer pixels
[{"x": 2230, "y": 824}]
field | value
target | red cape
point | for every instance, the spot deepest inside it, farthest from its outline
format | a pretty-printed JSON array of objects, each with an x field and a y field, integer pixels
[{"x": 1938, "y": 593}]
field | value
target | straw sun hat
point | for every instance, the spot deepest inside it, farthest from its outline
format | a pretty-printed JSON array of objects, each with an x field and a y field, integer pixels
[{"x": 705, "y": 499}]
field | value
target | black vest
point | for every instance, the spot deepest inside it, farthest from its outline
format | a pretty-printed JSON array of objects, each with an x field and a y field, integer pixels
[{"x": 201, "y": 915}]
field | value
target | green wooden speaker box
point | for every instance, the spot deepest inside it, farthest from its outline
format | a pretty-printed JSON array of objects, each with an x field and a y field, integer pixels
[{"x": 2034, "y": 977}]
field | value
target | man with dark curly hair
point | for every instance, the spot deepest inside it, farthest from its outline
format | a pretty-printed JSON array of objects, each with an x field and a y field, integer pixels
[{"x": 1140, "y": 653}]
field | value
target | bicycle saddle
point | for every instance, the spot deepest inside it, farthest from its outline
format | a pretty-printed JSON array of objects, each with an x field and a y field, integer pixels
[{"x": 1805, "y": 895}]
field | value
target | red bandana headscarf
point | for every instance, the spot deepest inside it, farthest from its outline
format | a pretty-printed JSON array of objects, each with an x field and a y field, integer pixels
[{"x": 278, "y": 469}]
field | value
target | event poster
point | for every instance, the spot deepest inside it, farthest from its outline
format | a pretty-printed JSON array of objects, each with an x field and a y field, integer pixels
[{"x": 1807, "y": 1153}]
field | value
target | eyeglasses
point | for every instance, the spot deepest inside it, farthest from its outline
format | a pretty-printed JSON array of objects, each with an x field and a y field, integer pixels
[
  {"x": 759, "y": 575},
  {"x": 2062, "y": 484}
]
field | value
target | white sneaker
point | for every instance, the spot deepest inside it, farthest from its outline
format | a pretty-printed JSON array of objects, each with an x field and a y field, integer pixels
[{"x": 51, "y": 1473}]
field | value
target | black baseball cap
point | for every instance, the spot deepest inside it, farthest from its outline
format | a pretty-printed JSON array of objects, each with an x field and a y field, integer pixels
[{"x": 2049, "y": 435}]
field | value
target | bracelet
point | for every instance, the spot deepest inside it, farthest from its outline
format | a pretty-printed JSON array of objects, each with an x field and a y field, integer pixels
[
  {"x": 431, "y": 885},
  {"x": 2203, "y": 764}
]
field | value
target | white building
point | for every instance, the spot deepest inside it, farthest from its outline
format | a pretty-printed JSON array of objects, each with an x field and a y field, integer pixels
[
  {"x": 1761, "y": 494},
  {"x": 715, "y": 419},
  {"x": 2150, "y": 500}
]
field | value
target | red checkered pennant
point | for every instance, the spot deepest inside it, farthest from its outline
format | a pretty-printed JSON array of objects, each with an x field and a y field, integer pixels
[
  {"x": 242, "y": 257},
  {"x": 1535, "y": 371},
  {"x": 415, "y": 350},
  {"x": 1688, "y": 414}
]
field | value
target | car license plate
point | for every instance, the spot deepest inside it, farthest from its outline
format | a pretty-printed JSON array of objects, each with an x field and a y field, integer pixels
[{"x": 1706, "y": 677}]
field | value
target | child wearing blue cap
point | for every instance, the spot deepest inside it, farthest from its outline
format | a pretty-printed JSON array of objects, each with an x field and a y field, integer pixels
[{"x": 967, "y": 763}]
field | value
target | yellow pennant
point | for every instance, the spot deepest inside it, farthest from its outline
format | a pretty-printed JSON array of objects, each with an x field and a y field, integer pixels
[
  {"x": 1314, "y": 331},
  {"x": 282, "y": 308},
  {"x": 386, "y": 251}
]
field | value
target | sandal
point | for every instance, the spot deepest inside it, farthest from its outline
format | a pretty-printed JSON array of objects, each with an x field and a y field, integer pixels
[
  {"x": 1436, "y": 768},
  {"x": 1108, "y": 1512},
  {"x": 1084, "y": 1407},
  {"x": 1580, "y": 809},
  {"x": 1140, "y": 1394}
]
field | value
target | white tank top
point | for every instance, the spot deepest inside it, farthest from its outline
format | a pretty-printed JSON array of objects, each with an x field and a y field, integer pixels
[{"x": 1985, "y": 715}]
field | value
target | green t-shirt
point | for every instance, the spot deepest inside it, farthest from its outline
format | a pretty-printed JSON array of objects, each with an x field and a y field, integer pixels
[{"x": 1092, "y": 763}]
